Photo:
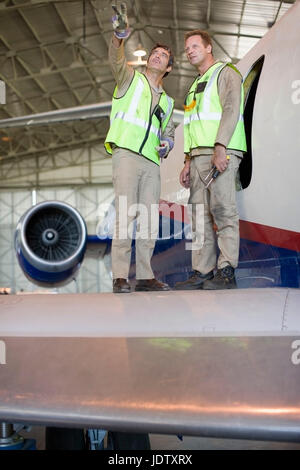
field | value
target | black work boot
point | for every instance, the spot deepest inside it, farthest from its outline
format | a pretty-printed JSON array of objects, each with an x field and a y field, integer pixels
[
  {"x": 194, "y": 282},
  {"x": 121, "y": 286},
  {"x": 150, "y": 285},
  {"x": 223, "y": 279}
]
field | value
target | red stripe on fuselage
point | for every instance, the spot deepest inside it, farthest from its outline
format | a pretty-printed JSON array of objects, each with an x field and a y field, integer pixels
[{"x": 270, "y": 235}]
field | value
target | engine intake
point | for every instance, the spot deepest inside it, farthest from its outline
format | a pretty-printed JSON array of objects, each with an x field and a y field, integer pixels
[{"x": 50, "y": 243}]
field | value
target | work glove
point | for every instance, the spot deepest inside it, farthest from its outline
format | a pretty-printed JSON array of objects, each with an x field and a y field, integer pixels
[
  {"x": 120, "y": 22},
  {"x": 165, "y": 147}
]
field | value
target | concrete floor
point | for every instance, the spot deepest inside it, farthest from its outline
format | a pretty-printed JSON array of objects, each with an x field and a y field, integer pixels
[{"x": 167, "y": 442}]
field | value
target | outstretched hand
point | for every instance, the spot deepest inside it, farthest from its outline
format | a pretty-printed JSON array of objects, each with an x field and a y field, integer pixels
[{"x": 120, "y": 21}]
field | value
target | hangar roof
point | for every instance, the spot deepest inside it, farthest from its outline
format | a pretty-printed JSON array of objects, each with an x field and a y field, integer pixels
[{"x": 54, "y": 54}]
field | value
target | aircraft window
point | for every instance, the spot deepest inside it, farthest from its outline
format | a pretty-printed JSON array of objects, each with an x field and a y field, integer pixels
[{"x": 250, "y": 87}]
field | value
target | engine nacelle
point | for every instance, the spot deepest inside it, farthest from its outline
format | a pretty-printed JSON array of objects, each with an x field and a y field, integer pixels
[{"x": 50, "y": 243}]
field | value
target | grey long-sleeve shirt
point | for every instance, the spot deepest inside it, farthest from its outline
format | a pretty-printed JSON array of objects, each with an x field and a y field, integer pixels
[{"x": 123, "y": 74}]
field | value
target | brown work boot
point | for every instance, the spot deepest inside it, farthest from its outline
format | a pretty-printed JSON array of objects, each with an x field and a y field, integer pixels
[
  {"x": 150, "y": 285},
  {"x": 223, "y": 279},
  {"x": 121, "y": 286},
  {"x": 195, "y": 281}
]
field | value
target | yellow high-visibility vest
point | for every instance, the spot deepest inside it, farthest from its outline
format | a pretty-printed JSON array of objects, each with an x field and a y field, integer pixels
[
  {"x": 203, "y": 113},
  {"x": 132, "y": 125}
]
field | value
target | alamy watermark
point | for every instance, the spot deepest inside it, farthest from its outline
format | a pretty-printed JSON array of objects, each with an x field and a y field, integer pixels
[
  {"x": 139, "y": 221},
  {"x": 295, "y": 358},
  {"x": 2, "y": 352},
  {"x": 296, "y": 94}
]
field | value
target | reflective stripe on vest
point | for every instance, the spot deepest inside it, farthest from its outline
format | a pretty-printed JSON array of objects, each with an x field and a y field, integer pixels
[
  {"x": 169, "y": 110},
  {"x": 137, "y": 121},
  {"x": 201, "y": 123},
  {"x": 206, "y": 117},
  {"x": 131, "y": 125}
]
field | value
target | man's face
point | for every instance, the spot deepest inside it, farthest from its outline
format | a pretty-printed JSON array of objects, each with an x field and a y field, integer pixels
[
  {"x": 159, "y": 60},
  {"x": 196, "y": 51}
]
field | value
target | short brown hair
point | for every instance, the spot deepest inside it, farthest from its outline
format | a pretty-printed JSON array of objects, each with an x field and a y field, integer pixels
[
  {"x": 166, "y": 48},
  {"x": 203, "y": 34}
]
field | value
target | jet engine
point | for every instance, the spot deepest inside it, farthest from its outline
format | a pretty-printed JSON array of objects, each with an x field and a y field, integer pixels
[{"x": 50, "y": 243}]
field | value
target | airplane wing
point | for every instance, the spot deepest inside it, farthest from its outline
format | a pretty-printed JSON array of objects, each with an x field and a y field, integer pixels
[
  {"x": 92, "y": 111},
  {"x": 220, "y": 364}
]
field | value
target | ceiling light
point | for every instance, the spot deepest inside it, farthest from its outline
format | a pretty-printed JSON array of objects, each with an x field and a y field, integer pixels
[
  {"x": 140, "y": 51},
  {"x": 139, "y": 61}
]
